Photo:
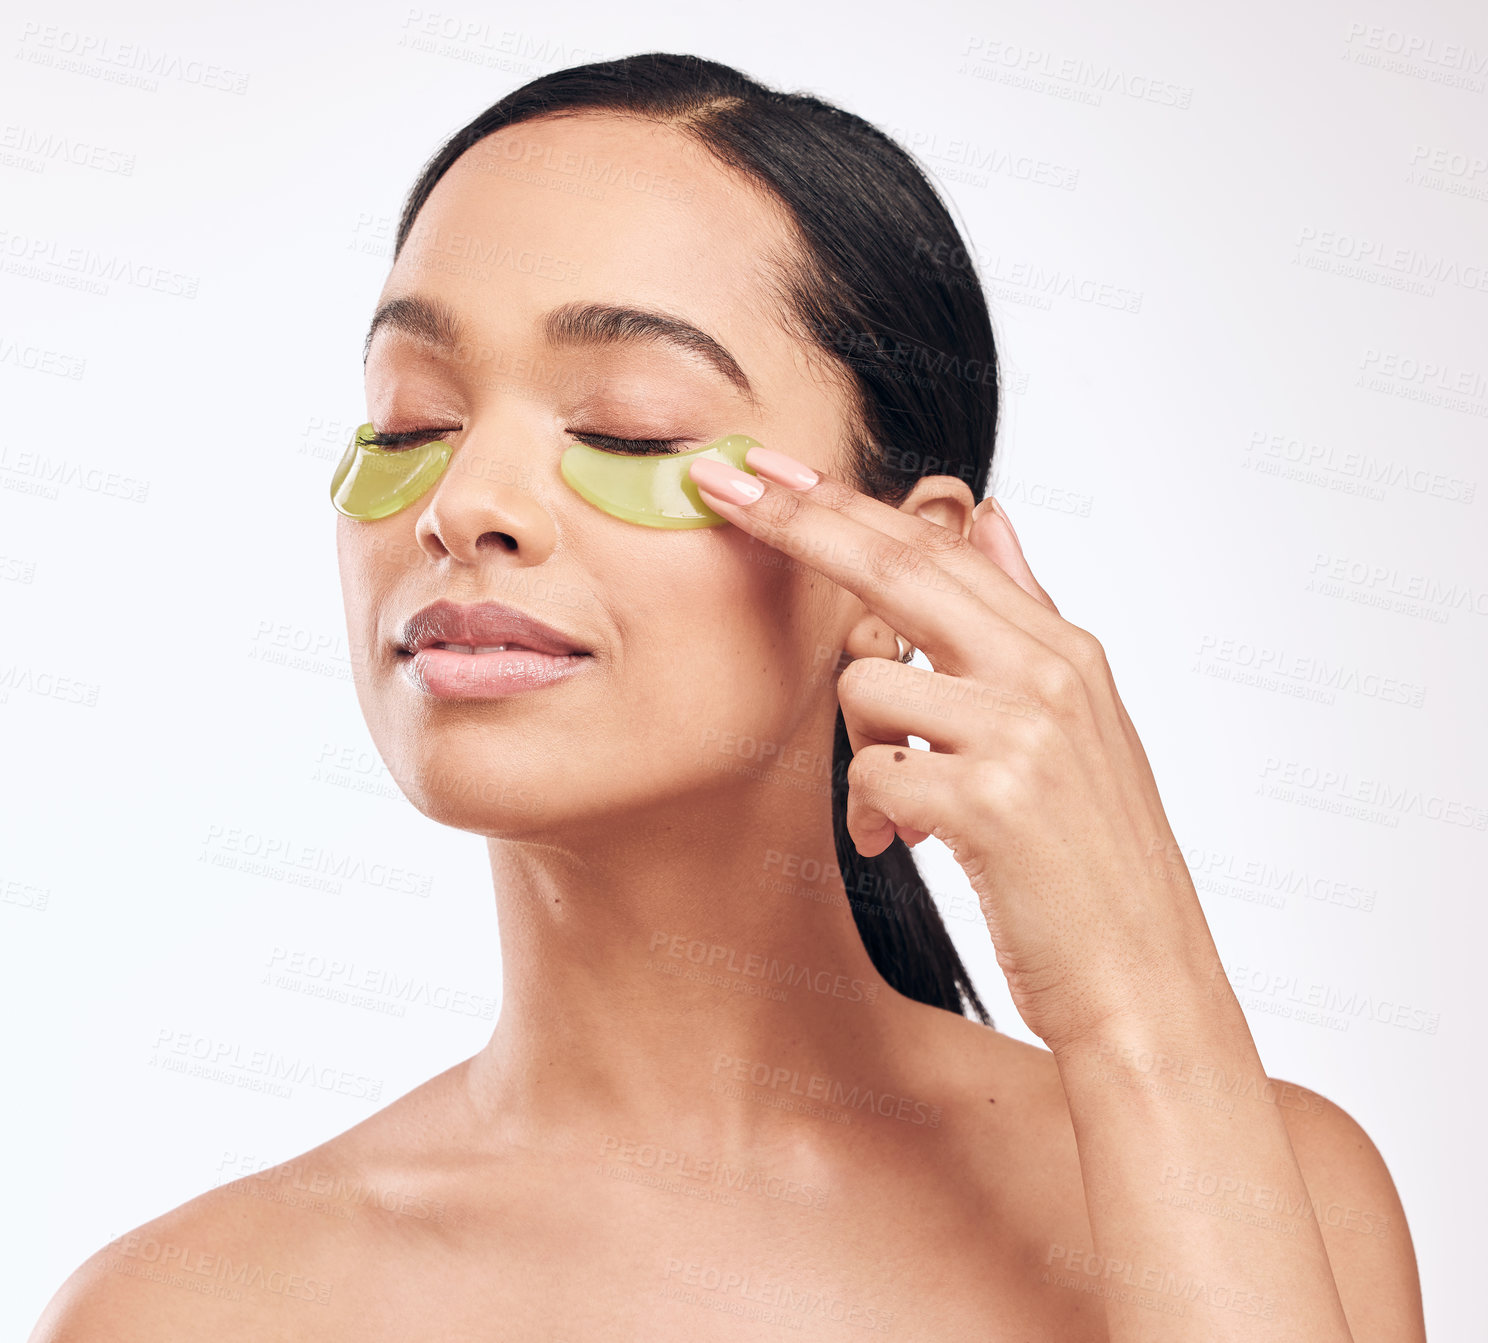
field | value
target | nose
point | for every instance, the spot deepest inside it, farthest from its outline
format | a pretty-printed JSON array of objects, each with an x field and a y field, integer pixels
[{"x": 484, "y": 505}]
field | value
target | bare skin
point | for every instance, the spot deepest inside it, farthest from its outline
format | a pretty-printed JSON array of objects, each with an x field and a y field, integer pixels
[{"x": 619, "y": 1161}]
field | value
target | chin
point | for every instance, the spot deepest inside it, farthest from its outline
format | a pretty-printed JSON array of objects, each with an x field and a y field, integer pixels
[{"x": 493, "y": 787}]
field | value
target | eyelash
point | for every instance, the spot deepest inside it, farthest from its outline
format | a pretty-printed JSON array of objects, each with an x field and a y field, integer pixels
[{"x": 633, "y": 447}]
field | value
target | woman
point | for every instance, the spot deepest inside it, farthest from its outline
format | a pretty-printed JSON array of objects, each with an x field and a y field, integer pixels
[{"x": 731, "y": 1087}]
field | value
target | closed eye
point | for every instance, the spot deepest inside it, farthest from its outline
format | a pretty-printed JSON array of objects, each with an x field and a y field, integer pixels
[
  {"x": 406, "y": 439},
  {"x": 630, "y": 447}
]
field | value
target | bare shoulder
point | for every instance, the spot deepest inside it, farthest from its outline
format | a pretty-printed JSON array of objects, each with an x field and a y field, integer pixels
[
  {"x": 1005, "y": 1100},
  {"x": 1351, "y": 1192},
  {"x": 1359, "y": 1213},
  {"x": 1010, "y": 1072},
  {"x": 202, "y": 1265},
  {"x": 270, "y": 1254}
]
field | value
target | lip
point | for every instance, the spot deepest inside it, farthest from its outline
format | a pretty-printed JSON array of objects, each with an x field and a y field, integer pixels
[
  {"x": 483, "y": 624},
  {"x": 540, "y": 655}
]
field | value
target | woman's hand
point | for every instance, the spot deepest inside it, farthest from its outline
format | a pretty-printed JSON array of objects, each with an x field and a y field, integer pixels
[
  {"x": 1035, "y": 778},
  {"x": 1036, "y": 781}
]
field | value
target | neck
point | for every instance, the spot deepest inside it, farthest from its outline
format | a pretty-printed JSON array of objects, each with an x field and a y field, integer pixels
[{"x": 647, "y": 970}]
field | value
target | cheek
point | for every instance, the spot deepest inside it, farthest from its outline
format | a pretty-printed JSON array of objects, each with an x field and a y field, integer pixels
[
  {"x": 735, "y": 640},
  {"x": 372, "y": 558},
  {"x": 351, "y": 562},
  {"x": 354, "y": 559},
  {"x": 697, "y": 644}
]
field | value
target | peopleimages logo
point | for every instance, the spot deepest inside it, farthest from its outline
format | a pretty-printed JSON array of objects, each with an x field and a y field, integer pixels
[
  {"x": 1293, "y": 992},
  {"x": 717, "y": 958},
  {"x": 28, "y": 255},
  {"x": 228, "y": 1061},
  {"x": 347, "y": 981},
  {"x": 828, "y": 1090},
  {"x": 166, "y": 1262}
]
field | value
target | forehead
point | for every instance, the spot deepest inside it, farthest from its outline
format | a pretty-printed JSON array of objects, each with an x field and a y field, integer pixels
[{"x": 599, "y": 207}]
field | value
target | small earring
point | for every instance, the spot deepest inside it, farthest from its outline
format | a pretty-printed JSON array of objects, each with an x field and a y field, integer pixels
[{"x": 906, "y": 649}]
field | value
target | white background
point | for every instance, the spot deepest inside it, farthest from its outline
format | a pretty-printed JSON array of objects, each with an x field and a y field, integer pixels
[{"x": 1262, "y": 489}]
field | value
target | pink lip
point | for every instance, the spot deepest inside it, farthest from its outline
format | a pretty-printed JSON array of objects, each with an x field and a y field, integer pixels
[
  {"x": 446, "y": 675},
  {"x": 540, "y": 656}
]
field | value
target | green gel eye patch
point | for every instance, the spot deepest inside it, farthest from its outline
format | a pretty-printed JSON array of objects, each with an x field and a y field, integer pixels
[
  {"x": 653, "y": 491},
  {"x": 372, "y": 482}
]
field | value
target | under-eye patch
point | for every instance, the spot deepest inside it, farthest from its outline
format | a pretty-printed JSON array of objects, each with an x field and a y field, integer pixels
[
  {"x": 372, "y": 482},
  {"x": 654, "y": 490}
]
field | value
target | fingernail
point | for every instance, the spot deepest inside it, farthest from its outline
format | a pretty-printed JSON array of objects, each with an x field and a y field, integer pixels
[
  {"x": 781, "y": 469},
  {"x": 725, "y": 481},
  {"x": 1002, "y": 513}
]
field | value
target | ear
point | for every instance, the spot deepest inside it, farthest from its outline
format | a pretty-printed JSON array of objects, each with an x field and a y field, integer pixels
[{"x": 945, "y": 500}]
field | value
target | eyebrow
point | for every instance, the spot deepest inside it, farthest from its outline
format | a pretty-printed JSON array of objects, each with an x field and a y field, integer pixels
[{"x": 436, "y": 324}]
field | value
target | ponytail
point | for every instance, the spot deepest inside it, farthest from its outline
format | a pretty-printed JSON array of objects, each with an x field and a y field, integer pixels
[{"x": 897, "y": 920}]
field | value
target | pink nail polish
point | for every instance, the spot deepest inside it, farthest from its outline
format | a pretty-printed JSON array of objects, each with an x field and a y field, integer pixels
[
  {"x": 783, "y": 470},
  {"x": 727, "y": 482}
]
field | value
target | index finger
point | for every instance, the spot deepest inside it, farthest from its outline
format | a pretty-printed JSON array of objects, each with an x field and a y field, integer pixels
[{"x": 925, "y": 580}]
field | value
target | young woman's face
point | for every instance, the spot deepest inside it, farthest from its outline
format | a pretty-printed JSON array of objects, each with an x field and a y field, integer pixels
[{"x": 710, "y": 652}]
